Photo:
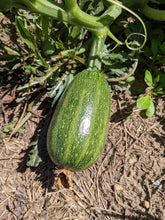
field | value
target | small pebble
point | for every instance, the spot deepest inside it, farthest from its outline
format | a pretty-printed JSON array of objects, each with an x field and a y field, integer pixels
[
  {"x": 146, "y": 204},
  {"x": 118, "y": 187}
]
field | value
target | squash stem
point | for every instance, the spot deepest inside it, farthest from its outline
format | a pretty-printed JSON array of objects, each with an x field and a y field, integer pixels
[
  {"x": 47, "y": 7},
  {"x": 68, "y": 12},
  {"x": 80, "y": 18},
  {"x": 71, "y": 13},
  {"x": 95, "y": 56}
]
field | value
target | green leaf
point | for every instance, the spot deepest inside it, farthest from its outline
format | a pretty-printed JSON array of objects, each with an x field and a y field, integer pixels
[
  {"x": 8, "y": 57},
  {"x": 143, "y": 102},
  {"x": 157, "y": 38},
  {"x": 25, "y": 34},
  {"x": 10, "y": 50},
  {"x": 10, "y": 127},
  {"x": 154, "y": 93},
  {"x": 28, "y": 38},
  {"x": 34, "y": 158},
  {"x": 129, "y": 118},
  {"x": 154, "y": 46},
  {"x": 148, "y": 78},
  {"x": 151, "y": 109},
  {"x": 45, "y": 25},
  {"x": 76, "y": 30},
  {"x": 48, "y": 48},
  {"x": 162, "y": 80},
  {"x": 156, "y": 79},
  {"x": 130, "y": 79},
  {"x": 161, "y": 92},
  {"x": 62, "y": 87},
  {"x": 162, "y": 47}
]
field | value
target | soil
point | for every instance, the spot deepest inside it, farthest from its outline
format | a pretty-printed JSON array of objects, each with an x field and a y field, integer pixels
[{"x": 127, "y": 182}]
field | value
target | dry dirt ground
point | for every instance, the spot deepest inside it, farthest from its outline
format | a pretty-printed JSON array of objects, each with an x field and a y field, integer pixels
[{"x": 127, "y": 182}]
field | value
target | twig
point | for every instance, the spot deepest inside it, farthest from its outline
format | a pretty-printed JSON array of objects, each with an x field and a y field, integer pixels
[
  {"x": 120, "y": 79},
  {"x": 125, "y": 139},
  {"x": 5, "y": 200},
  {"x": 97, "y": 175},
  {"x": 147, "y": 130},
  {"x": 85, "y": 209},
  {"x": 121, "y": 113},
  {"x": 82, "y": 199},
  {"x": 106, "y": 210},
  {"x": 82, "y": 192},
  {"x": 88, "y": 189}
]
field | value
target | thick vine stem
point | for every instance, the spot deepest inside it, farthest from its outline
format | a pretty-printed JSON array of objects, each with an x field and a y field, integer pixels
[
  {"x": 47, "y": 7},
  {"x": 98, "y": 25},
  {"x": 152, "y": 13},
  {"x": 78, "y": 17},
  {"x": 71, "y": 13},
  {"x": 111, "y": 13},
  {"x": 95, "y": 56}
]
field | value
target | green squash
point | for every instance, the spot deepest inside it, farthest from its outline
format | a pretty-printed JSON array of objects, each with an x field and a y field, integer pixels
[{"x": 78, "y": 129}]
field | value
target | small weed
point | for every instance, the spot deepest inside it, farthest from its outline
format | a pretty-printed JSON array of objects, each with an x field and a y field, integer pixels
[{"x": 155, "y": 87}]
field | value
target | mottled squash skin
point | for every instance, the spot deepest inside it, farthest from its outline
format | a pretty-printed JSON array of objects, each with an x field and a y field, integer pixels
[{"x": 78, "y": 129}]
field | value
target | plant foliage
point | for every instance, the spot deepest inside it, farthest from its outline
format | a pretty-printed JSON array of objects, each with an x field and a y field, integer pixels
[{"x": 49, "y": 52}]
